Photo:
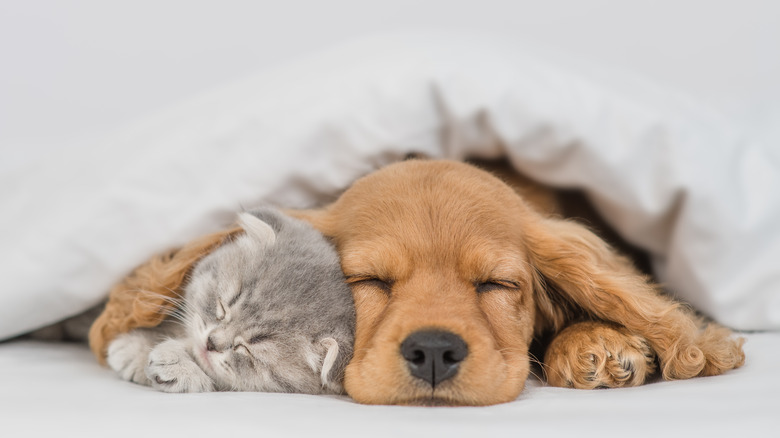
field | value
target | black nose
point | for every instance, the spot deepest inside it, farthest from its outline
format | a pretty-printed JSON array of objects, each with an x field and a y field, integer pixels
[{"x": 433, "y": 355}]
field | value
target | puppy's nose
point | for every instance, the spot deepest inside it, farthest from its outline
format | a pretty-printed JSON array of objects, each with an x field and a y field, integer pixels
[{"x": 433, "y": 355}]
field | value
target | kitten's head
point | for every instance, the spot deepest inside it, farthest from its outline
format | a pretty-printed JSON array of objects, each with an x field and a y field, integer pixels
[{"x": 270, "y": 311}]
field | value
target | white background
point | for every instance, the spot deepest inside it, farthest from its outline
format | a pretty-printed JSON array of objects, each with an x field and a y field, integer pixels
[{"x": 74, "y": 70}]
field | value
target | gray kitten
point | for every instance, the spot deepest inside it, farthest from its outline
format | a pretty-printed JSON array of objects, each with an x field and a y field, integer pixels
[{"x": 267, "y": 311}]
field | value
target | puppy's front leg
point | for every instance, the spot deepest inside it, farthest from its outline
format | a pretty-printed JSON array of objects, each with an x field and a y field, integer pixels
[
  {"x": 586, "y": 274},
  {"x": 590, "y": 355}
]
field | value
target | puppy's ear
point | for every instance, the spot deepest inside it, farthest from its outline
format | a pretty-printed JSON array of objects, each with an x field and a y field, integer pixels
[
  {"x": 576, "y": 272},
  {"x": 143, "y": 298},
  {"x": 579, "y": 273}
]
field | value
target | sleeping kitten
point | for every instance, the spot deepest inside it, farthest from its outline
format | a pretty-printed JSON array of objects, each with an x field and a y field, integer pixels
[{"x": 267, "y": 311}]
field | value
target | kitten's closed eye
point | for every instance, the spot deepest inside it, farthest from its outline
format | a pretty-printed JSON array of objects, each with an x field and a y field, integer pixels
[
  {"x": 241, "y": 348},
  {"x": 260, "y": 338}
]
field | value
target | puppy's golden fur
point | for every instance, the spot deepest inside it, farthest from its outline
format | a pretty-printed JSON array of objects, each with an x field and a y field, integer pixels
[
  {"x": 419, "y": 239},
  {"x": 446, "y": 246}
]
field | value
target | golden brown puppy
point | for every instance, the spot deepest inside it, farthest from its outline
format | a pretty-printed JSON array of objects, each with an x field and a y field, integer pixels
[{"x": 453, "y": 273}]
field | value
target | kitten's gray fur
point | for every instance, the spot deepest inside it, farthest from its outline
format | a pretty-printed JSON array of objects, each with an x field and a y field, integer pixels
[{"x": 267, "y": 311}]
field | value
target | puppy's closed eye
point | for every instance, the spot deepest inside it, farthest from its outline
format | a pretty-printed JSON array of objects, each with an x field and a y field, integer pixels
[
  {"x": 493, "y": 285},
  {"x": 385, "y": 286}
]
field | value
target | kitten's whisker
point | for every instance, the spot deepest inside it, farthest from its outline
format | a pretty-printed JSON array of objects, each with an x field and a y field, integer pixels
[{"x": 156, "y": 295}]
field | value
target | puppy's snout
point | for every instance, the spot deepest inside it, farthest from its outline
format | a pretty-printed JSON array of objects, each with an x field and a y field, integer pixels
[{"x": 433, "y": 355}]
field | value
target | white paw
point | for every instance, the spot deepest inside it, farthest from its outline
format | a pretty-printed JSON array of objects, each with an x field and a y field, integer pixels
[
  {"x": 127, "y": 355},
  {"x": 171, "y": 369}
]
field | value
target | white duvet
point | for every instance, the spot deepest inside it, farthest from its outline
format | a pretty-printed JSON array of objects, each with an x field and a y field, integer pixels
[{"x": 703, "y": 199}]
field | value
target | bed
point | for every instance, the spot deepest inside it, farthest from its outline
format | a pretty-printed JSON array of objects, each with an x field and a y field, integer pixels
[
  {"x": 670, "y": 177},
  {"x": 60, "y": 387}
]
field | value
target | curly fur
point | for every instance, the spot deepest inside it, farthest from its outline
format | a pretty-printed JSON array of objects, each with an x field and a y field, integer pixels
[{"x": 606, "y": 286}]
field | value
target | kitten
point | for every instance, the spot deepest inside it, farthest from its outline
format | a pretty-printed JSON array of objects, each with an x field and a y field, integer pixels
[{"x": 268, "y": 311}]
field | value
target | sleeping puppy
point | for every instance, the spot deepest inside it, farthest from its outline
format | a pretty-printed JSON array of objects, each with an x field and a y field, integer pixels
[{"x": 454, "y": 273}]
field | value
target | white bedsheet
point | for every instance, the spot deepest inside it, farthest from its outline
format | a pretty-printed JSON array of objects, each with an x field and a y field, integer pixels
[
  {"x": 672, "y": 178},
  {"x": 59, "y": 390}
]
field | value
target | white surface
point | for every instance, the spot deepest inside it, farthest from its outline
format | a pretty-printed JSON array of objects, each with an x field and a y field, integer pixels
[
  {"x": 75, "y": 69},
  {"x": 669, "y": 175},
  {"x": 57, "y": 389}
]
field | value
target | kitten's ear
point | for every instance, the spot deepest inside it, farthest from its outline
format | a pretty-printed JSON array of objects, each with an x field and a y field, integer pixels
[
  {"x": 328, "y": 362},
  {"x": 257, "y": 229}
]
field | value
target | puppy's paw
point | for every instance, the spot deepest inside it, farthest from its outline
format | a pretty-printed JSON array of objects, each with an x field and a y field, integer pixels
[
  {"x": 591, "y": 355},
  {"x": 127, "y": 355},
  {"x": 172, "y": 369}
]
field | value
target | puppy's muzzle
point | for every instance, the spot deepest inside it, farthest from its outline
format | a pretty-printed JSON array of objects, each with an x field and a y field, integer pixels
[{"x": 433, "y": 355}]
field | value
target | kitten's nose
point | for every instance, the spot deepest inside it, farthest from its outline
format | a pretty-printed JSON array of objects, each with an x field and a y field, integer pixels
[
  {"x": 217, "y": 340},
  {"x": 433, "y": 355},
  {"x": 210, "y": 346}
]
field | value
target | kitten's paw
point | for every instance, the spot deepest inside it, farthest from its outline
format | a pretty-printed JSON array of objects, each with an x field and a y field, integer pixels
[
  {"x": 591, "y": 355},
  {"x": 127, "y": 355},
  {"x": 172, "y": 369}
]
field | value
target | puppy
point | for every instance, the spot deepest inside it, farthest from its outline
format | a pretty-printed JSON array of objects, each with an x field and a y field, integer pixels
[{"x": 454, "y": 273}]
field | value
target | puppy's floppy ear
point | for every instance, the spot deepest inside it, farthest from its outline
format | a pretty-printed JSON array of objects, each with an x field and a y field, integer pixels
[
  {"x": 142, "y": 299},
  {"x": 579, "y": 273}
]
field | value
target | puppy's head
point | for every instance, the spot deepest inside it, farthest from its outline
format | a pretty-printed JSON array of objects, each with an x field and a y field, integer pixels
[{"x": 443, "y": 285}]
